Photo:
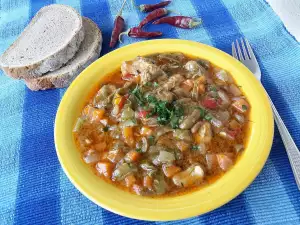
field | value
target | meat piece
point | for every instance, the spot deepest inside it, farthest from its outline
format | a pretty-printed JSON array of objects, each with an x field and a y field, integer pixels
[
  {"x": 189, "y": 121},
  {"x": 147, "y": 69},
  {"x": 126, "y": 68},
  {"x": 162, "y": 79},
  {"x": 165, "y": 96},
  {"x": 181, "y": 92},
  {"x": 172, "y": 57},
  {"x": 186, "y": 101},
  {"x": 172, "y": 82}
]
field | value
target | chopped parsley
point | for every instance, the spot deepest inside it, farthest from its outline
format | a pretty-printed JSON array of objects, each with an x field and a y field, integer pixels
[
  {"x": 105, "y": 129},
  {"x": 195, "y": 148},
  {"x": 155, "y": 84},
  {"x": 213, "y": 88},
  {"x": 204, "y": 114},
  {"x": 151, "y": 140},
  {"x": 208, "y": 117},
  {"x": 244, "y": 107},
  {"x": 148, "y": 84},
  {"x": 138, "y": 150},
  {"x": 136, "y": 92},
  {"x": 167, "y": 113}
]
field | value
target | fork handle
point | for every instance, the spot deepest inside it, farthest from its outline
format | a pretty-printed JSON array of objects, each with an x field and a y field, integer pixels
[{"x": 290, "y": 146}]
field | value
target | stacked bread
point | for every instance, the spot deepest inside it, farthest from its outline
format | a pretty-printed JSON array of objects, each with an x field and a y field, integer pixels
[{"x": 53, "y": 49}]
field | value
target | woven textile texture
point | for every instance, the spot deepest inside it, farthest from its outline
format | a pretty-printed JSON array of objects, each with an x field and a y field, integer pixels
[{"x": 33, "y": 187}]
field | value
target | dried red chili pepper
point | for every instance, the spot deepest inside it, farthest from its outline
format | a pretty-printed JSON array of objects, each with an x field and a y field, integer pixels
[
  {"x": 151, "y": 7},
  {"x": 153, "y": 15},
  {"x": 118, "y": 27},
  {"x": 179, "y": 21},
  {"x": 137, "y": 32}
]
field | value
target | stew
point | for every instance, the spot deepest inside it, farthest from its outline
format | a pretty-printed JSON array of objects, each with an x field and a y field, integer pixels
[{"x": 163, "y": 124}]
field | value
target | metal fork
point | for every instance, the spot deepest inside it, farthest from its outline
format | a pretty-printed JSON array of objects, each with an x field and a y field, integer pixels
[{"x": 247, "y": 57}]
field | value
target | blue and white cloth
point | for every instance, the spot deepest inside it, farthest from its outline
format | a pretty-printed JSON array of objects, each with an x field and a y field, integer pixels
[{"x": 33, "y": 187}]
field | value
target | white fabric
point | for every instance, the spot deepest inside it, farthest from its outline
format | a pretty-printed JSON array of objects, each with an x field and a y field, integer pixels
[{"x": 289, "y": 13}]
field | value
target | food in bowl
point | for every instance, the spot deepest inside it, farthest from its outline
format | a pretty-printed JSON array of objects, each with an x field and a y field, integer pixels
[{"x": 163, "y": 124}]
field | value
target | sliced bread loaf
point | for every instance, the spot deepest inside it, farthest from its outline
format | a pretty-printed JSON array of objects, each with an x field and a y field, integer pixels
[
  {"x": 49, "y": 41},
  {"x": 88, "y": 52}
]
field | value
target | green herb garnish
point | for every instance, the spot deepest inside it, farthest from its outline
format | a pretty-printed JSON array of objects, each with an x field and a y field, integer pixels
[
  {"x": 148, "y": 84},
  {"x": 208, "y": 117},
  {"x": 155, "y": 84},
  {"x": 167, "y": 113},
  {"x": 105, "y": 129},
  {"x": 138, "y": 150},
  {"x": 204, "y": 114},
  {"x": 151, "y": 140},
  {"x": 195, "y": 148},
  {"x": 213, "y": 88},
  {"x": 136, "y": 92},
  {"x": 244, "y": 107}
]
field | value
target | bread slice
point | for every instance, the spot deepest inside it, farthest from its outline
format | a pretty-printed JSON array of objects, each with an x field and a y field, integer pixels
[
  {"x": 88, "y": 52},
  {"x": 49, "y": 41}
]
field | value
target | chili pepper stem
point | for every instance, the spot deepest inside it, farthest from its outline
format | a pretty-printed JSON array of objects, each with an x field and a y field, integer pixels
[
  {"x": 195, "y": 24},
  {"x": 123, "y": 33},
  {"x": 122, "y": 7}
]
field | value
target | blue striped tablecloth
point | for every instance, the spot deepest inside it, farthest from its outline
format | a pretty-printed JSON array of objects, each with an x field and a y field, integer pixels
[{"x": 33, "y": 187}]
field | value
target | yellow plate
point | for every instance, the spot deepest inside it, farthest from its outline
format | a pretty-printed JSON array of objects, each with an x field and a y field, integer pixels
[{"x": 170, "y": 208}]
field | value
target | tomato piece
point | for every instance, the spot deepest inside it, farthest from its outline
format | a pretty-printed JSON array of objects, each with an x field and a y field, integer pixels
[
  {"x": 210, "y": 103},
  {"x": 122, "y": 101},
  {"x": 143, "y": 114},
  {"x": 128, "y": 77}
]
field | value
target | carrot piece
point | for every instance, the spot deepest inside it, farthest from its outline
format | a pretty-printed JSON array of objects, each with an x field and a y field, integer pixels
[
  {"x": 146, "y": 131},
  {"x": 128, "y": 136},
  {"x": 97, "y": 115},
  {"x": 104, "y": 168},
  {"x": 197, "y": 138},
  {"x": 182, "y": 146},
  {"x": 201, "y": 80},
  {"x": 147, "y": 182},
  {"x": 100, "y": 146},
  {"x": 201, "y": 88},
  {"x": 132, "y": 156},
  {"x": 137, "y": 79},
  {"x": 130, "y": 180},
  {"x": 171, "y": 170}
]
